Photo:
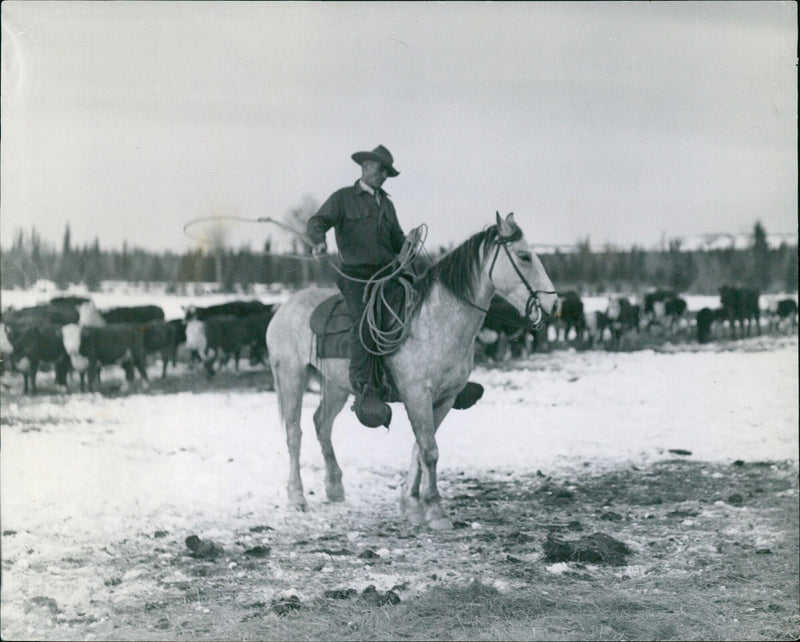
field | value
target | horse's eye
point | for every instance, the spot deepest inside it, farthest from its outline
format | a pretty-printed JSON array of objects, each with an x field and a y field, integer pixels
[{"x": 525, "y": 257}]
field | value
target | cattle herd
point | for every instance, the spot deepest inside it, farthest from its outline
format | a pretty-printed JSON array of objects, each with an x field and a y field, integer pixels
[
  {"x": 662, "y": 313},
  {"x": 70, "y": 334}
]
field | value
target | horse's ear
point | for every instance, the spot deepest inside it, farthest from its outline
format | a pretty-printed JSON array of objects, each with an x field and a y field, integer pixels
[
  {"x": 505, "y": 227},
  {"x": 510, "y": 219}
]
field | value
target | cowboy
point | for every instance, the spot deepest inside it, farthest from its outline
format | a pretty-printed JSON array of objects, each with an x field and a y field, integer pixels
[{"x": 369, "y": 237}]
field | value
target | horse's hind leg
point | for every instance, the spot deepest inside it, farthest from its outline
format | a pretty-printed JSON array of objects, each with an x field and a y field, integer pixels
[
  {"x": 290, "y": 383},
  {"x": 331, "y": 403}
]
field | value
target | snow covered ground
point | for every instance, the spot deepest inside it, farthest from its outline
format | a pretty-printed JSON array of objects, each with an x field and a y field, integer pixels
[{"x": 85, "y": 465}]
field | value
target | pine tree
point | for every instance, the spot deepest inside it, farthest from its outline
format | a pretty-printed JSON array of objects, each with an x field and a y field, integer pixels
[
  {"x": 62, "y": 278},
  {"x": 761, "y": 273},
  {"x": 66, "y": 248}
]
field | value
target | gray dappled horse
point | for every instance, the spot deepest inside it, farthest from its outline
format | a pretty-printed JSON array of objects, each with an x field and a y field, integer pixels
[{"x": 429, "y": 368}]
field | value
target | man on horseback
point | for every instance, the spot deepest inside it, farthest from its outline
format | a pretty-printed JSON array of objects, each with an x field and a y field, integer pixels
[{"x": 369, "y": 238}]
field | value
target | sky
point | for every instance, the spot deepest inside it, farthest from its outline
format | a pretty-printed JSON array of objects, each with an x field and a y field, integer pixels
[{"x": 623, "y": 122}]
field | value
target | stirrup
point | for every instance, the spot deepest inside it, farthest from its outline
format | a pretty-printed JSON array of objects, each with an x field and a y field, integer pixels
[
  {"x": 371, "y": 410},
  {"x": 468, "y": 396}
]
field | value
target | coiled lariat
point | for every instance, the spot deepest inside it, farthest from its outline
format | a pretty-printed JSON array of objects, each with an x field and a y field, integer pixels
[{"x": 387, "y": 327}]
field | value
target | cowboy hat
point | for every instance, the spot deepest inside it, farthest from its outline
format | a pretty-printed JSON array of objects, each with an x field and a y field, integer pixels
[{"x": 380, "y": 154}]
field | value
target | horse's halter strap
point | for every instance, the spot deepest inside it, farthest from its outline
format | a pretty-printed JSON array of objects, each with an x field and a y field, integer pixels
[{"x": 533, "y": 295}]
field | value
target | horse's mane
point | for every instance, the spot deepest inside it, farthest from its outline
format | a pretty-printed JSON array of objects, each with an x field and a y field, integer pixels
[{"x": 457, "y": 269}]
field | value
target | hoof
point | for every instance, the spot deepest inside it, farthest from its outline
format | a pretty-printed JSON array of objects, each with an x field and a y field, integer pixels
[
  {"x": 335, "y": 493},
  {"x": 415, "y": 518},
  {"x": 300, "y": 507},
  {"x": 298, "y": 502},
  {"x": 412, "y": 511},
  {"x": 441, "y": 524},
  {"x": 436, "y": 519}
]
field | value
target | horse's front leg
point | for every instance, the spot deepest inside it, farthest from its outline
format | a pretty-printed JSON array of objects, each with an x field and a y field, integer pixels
[{"x": 421, "y": 485}]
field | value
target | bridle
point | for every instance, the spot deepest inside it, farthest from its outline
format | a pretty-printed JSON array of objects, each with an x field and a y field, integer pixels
[{"x": 532, "y": 303}]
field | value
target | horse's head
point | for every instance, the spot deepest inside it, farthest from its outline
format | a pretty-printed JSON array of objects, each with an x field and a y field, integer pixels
[{"x": 518, "y": 274}]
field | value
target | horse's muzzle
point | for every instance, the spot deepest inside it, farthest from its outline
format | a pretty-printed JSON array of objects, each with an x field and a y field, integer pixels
[{"x": 546, "y": 306}]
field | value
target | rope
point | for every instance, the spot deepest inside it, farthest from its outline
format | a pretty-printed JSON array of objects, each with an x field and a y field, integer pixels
[
  {"x": 378, "y": 307},
  {"x": 262, "y": 219},
  {"x": 215, "y": 218}
]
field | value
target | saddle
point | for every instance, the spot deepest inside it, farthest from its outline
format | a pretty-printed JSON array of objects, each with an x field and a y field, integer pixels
[{"x": 331, "y": 324}]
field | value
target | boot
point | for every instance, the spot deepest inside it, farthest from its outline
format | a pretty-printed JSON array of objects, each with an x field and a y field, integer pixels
[
  {"x": 370, "y": 408},
  {"x": 468, "y": 396}
]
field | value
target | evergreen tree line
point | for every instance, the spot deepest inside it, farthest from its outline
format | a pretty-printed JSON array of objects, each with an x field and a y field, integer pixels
[{"x": 613, "y": 270}]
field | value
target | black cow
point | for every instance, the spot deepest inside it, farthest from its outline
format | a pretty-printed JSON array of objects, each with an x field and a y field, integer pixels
[
  {"x": 70, "y": 300},
  {"x": 782, "y": 312},
  {"x": 91, "y": 347},
  {"x": 620, "y": 318},
  {"x": 233, "y": 308},
  {"x": 240, "y": 309},
  {"x": 656, "y": 296},
  {"x": 787, "y": 309},
  {"x": 601, "y": 324},
  {"x": 15, "y": 321},
  {"x": 740, "y": 304},
  {"x": 256, "y": 325},
  {"x": 57, "y": 313},
  {"x": 505, "y": 329},
  {"x": 217, "y": 338},
  {"x": 180, "y": 330},
  {"x": 133, "y": 314},
  {"x": 163, "y": 337},
  {"x": 34, "y": 344},
  {"x": 663, "y": 304},
  {"x": 675, "y": 310},
  {"x": 571, "y": 316},
  {"x": 704, "y": 322}
]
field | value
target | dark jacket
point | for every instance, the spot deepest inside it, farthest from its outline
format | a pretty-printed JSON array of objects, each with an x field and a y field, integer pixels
[{"x": 366, "y": 233}]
